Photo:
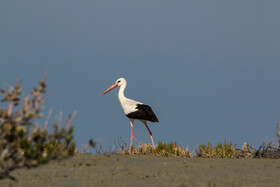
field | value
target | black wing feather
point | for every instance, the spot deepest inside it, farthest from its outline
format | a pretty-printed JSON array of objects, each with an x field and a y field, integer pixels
[{"x": 144, "y": 112}]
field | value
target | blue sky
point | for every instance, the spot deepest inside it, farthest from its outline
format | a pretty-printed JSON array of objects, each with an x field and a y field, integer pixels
[{"x": 209, "y": 69}]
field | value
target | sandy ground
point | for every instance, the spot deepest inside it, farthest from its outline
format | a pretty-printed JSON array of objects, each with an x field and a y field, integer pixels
[{"x": 99, "y": 170}]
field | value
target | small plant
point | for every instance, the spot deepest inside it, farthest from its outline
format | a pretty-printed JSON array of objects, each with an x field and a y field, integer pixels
[
  {"x": 247, "y": 151},
  {"x": 85, "y": 148},
  {"x": 172, "y": 149},
  {"x": 224, "y": 150},
  {"x": 143, "y": 149},
  {"x": 162, "y": 149},
  {"x": 24, "y": 143}
]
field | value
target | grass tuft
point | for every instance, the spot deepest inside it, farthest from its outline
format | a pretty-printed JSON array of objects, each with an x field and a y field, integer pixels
[
  {"x": 161, "y": 149},
  {"x": 224, "y": 150}
]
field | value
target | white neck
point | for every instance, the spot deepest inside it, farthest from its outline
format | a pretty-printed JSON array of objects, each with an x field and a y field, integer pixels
[
  {"x": 128, "y": 105},
  {"x": 121, "y": 92}
]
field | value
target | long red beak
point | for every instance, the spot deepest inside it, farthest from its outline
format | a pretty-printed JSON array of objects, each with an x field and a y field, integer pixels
[{"x": 111, "y": 88}]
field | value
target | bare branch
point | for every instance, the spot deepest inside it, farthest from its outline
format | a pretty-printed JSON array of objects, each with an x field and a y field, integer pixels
[
  {"x": 49, "y": 94},
  {"x": 70, "y": 119},
  {"x": 45, "y": 75},
  {"x": 10, "y": 108},
  {"x": 48, "y": 118}
]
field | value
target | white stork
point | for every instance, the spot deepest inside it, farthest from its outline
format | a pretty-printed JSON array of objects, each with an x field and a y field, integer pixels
[{"x": 134, "y": 110}]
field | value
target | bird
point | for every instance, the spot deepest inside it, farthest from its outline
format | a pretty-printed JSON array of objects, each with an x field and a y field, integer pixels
[{"x": 134, "y": 110}]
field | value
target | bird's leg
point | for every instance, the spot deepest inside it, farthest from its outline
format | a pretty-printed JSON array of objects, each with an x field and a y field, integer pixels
[
  {"x": 131, "y": 137},
  {"x": 150, "y": 134}
]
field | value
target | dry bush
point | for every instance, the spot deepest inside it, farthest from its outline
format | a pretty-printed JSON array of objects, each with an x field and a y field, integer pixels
[
  {"x": 270, "y": 149},
  {"x": 24, "y": 143}
]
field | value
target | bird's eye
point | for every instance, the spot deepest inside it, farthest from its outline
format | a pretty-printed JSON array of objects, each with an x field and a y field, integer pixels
[{"x": 118, "y": 81}]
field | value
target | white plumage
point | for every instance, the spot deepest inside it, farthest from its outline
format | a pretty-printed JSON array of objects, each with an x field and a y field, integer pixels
[{"x": 128, "y": 105}]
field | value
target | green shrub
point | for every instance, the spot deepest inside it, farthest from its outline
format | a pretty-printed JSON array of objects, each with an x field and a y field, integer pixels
[{"x": 24, "y": 143}]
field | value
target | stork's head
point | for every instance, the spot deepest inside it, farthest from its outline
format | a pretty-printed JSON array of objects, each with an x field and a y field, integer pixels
[{"x": 119, "y": 82}]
